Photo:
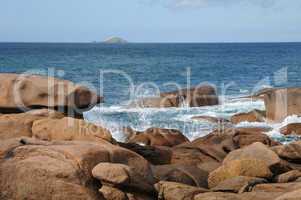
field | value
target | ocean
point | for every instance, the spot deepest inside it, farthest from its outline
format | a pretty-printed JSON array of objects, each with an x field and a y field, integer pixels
[{"x": 123, "y": 72}]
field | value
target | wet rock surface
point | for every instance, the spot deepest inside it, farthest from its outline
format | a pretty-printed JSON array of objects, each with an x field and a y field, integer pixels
[
  {"x": 281, "y": 102},
  {"x": 204, "y": 95},
  {"x": 291, "y": 129},
  {"x": 253, "y": 116}
]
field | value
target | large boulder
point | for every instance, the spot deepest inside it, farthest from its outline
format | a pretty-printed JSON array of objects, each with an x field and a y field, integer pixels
[
  {"x": 156, "y": 137},
  {"x": 290, "y": 152},
  {"x": 193, "y": 156},
  {"x": 247, "y": 136},
  {"x": 189, "y": 175},
  {"x": 18, "y": 125},
  {"x": 204, "y": 95},
  {"x": 156, "y": 155},
  {"x": 211, "y": 148},
  {"x": 60, "y": 170},
  {"x": 257, "y": 151},
  {"x": 23, "y": 92},
  {"x": 281, "y": 102},
  {"x": 291, "y": 129},
  {"x": 290, "y": 176},
  {"x": 242, "y": 167},
  {"x": 252, "y": 116},
  {"x": 214, "y": 147},
  {"x": 121, "y": 175},
  {"x": 177, "y": 191},
  {"x": 68, "y": 129},
  {"x": 40, "y": 172}
]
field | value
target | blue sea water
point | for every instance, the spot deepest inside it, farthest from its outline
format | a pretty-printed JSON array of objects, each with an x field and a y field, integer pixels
[{"x": 240, "y": 67}]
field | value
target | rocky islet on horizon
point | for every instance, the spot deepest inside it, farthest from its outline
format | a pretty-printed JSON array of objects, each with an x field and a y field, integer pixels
[
  {"x": 115, "y": 40},
  {"x": 49, "y": 152}
]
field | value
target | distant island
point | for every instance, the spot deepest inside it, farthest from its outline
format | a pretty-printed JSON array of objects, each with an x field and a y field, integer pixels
[{"x": 115, "y": 40}]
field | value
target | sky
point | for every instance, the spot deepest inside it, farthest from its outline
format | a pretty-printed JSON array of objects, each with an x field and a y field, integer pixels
[{"x": 150, "y": 20}]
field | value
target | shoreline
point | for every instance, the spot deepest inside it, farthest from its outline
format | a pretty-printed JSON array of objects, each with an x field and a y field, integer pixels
[{"x": 44, "y": 149}]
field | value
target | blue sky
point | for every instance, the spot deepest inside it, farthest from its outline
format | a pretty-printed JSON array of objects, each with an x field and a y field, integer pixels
[{"x": 150, "y": 20}]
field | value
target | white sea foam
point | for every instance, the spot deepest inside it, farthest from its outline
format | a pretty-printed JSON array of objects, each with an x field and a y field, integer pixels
[
  {"x": 184, "y": 118},
  {"x": 275, "y": 133},
  {"x": 275, "y": 127},
  {"x": 246, "y": 124},
  {"x": 290, "y": 120},
  {"x": 116, "y": 117}
]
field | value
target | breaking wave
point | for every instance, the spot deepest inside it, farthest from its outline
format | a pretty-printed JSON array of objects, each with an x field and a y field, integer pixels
[{"x": 115, "y": 118}]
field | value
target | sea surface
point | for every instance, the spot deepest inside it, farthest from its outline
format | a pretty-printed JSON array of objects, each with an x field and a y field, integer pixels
[{"x": 124, "y": 72}]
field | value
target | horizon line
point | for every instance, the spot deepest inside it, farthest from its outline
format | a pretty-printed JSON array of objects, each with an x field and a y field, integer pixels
[{"x": 168, "y": 42}]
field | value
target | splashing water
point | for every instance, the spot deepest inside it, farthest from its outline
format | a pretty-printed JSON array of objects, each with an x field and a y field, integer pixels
[
  {"x": 183, "y": 102},
  {"x": 275, "y": 128},
  {"x": 117, "y": 117}
]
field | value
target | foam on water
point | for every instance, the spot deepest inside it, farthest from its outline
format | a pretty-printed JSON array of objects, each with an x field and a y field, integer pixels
[
  {"x": 275, "y": 128},
  {"x": 254, "y": 124},
  {"x": 275, "y": 133},
  {"x": 115, "y": 118}
]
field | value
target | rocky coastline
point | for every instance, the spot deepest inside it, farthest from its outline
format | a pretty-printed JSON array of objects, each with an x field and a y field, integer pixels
[{"x": 48, "y": 151}]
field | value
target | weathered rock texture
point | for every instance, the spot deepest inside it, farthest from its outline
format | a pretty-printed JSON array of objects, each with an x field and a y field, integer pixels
[
  {"x": 194, "y": 97},
  {"x": 257, "y": 151},
  {"x": 281, "y": 102},
  {"x": 290, "y": 152},
  {"x": 237, "y": 184},
  {"x": 17, "y": 125},
  {"x": 156, "y": 137},
  {"x": 46, "y": 155},
  {"x": 253, "y": 116},
  {"x": 291, "y": 129},
  {"x": 22, "y": 92},
  {"x": 67, "y": 129},
  {"x": 60, "y": 170},
  {"x": 214, "y": 147},
  {"x": 177, "y": 191},
  {"x": 189, "y": 175},
  {"x": 243, "y": 167}
]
